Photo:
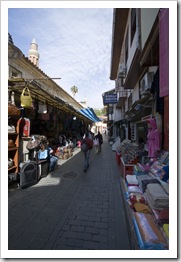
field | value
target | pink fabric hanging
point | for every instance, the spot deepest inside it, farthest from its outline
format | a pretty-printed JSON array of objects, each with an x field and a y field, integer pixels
[{"x": 153, "y": 139}]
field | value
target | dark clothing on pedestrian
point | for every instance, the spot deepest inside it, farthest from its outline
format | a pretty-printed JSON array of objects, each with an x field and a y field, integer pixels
[
  {"x": 99, "y": 137},
  {"x": 89, "y": 143}
]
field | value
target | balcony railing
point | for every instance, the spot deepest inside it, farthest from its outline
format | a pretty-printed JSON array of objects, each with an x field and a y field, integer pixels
[{"x": 121, "y": 98}]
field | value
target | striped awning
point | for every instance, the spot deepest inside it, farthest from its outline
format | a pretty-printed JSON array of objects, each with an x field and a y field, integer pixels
[{"x": 89, "y": 113}]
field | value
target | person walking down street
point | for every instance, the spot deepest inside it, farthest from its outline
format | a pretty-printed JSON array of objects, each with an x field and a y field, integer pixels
[
  {"x": 91, "y": 135},
  {"x": 99, "y": 137},
  {"x": 96, "y": 145},
  {"x": 86, "y": 146}
]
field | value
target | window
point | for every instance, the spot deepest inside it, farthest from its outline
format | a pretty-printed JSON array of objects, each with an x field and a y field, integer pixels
[
  {"x": 123, "y": 109},
  {"x": 13, "y": 72},
  {"x": 133, "y": 23},
  {"x": 130, "y": 99}
]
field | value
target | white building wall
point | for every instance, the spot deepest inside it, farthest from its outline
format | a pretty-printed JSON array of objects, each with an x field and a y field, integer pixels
[
  {"x": 135, "y": 93},
  {"x": 132, "y": 48},
  {"x": 117, "y": 114},
  {"x": 148, "y": 16},
  {"x": 135, "y": 43}
]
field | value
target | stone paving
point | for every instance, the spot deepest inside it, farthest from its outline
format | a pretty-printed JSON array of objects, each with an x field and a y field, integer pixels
[{"x": 70, "y": 209}]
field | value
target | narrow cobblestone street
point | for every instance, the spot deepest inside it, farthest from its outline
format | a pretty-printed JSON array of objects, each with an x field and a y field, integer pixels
[{"x": 70, "y": 209}]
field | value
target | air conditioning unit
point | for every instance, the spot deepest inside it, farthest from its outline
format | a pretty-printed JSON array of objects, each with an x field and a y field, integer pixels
[
  {"x": 145, "y": 83},
  {"x": 122, "y": 71}
]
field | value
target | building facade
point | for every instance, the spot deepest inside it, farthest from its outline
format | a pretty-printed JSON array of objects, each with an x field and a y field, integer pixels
[{"x": 139, "y": 59}]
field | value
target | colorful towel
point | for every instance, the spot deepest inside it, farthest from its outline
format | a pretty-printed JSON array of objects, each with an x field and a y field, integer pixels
[
  {"x": 157, "y": 196},
  {"x": 161, "y": 216},
  {"x": 131, "y": 180},
  {"x": 145, "y": 182},
  {"x": 148, "y": 229}
]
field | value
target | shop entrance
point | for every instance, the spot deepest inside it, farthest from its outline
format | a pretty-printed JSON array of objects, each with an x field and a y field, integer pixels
[{"x": 141, "y": 132}]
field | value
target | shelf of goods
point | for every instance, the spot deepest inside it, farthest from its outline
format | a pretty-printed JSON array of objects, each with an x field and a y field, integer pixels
[
  {"x": 125, "y": 168},
  {"x": 146, "y": 195},
  {"x": 13, "y": 146},
  {"x": 118, "y": 157},
  {"x": 64, "y": 152},
  {"x": 13, "y": 141},
  {"x": 128, "y": 155}
]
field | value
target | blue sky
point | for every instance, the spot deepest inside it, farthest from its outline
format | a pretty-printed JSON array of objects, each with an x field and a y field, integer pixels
[{"x": 73, "y": 43}]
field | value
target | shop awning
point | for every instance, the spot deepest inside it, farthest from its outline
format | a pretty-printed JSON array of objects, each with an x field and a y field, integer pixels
[
  {"x": 37, "y": 91},
  {"x": 137, "y": 116},
  {"x": 140, "y": 101},
  {"x": 119, "y": 122},
  {"x": 89, "y": 113},
  {"x": 42, "y": 87}
]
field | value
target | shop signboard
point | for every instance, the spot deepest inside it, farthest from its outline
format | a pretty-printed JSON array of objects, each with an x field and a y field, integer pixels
[{"x": 110, "y": 99}]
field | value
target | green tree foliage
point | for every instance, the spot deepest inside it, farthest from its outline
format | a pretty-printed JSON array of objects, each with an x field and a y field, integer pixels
[
  {"x": 100, "y": 111},
  {"x": 74, "y": 90}
]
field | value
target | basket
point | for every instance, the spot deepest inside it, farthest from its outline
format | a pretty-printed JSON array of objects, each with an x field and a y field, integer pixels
[
  {"x": 26, "y": 100},
  {"x": 13, "y": 110}
]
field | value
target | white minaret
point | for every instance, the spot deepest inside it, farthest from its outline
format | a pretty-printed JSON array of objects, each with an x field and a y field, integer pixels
[{"x": 33, "y": 52}]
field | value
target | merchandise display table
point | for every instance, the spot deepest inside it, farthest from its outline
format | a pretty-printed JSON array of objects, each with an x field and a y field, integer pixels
[
  {"x": 118, "y": 156},
  {"x": 146, "y": 199},
  {"x": 126, "y": 169}
]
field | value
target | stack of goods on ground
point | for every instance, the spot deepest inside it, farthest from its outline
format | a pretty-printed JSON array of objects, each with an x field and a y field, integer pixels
[
  {"x": 131, "y": 152},
  {"x": 64, "y": 152},
  {"x": 147, "y": 195}
]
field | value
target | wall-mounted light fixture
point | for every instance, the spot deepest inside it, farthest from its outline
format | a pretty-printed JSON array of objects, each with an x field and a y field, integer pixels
[{"x": 122, "y": 71}]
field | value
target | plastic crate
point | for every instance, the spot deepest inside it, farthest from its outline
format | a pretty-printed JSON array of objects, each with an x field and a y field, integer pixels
[
  {"x": 126, "y": 169},
  {"x": 118, "y": 156}
]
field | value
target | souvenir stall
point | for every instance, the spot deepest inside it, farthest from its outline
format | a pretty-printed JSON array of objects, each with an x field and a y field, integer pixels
[
  {"x": 13, "y": 142},
  {"x": 37, "y": 107},
  {"x": 145, "y": 186},
  {"x": 32, "y": 116},
  {"x": 128, "y": 154},
  {"x": 146, "y": 194}
]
